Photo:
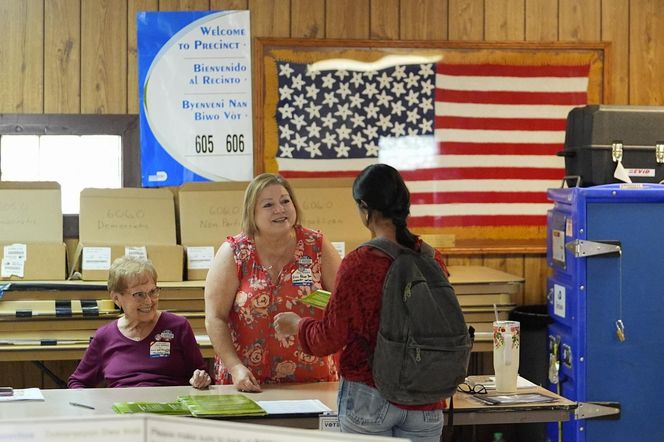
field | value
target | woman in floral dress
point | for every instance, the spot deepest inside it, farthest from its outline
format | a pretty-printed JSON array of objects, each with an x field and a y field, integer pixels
[{"x": 257, "y": 274}]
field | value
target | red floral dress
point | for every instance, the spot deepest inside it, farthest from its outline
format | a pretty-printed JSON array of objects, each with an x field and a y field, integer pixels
[{"x": 271, "y": 359}]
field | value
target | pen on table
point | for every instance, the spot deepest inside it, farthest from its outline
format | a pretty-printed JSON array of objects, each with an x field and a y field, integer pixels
[{"x": 76, "y": 404}]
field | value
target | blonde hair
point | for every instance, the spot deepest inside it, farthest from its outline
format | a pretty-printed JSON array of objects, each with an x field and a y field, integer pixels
[
  {"x": 126, "y": 271},
  {"x": 254, "y": 189}
]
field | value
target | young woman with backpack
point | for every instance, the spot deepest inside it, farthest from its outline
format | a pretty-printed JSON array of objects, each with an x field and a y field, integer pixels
[{"x": 351, "y": 319}]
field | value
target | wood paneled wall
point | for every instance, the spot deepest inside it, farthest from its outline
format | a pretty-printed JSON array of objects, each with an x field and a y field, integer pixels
[{"x": 79, "y": 56}]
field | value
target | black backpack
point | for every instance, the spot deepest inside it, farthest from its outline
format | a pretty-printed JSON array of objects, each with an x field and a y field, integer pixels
[{"x": 423, "y": 344}]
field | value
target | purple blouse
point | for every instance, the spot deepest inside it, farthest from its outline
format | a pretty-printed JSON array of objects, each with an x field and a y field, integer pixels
[{"x": 168, "y": 356}]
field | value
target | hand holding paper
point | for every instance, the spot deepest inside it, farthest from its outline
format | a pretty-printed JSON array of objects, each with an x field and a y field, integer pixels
[
  {"x": 318, "y": 299},
  {"x": 285, "y": 324}
]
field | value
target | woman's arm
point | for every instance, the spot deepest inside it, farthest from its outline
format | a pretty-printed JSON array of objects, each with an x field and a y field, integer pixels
[
  {"x": 329, "y": 265},
  {"x": 193, "y": 359},
  {"x": 88, "y": 373},
  {"x": 221, "y": 285},
  {"x": 330, "y": 334}
]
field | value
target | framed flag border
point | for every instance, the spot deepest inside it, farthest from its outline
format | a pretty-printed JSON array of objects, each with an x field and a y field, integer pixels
[{"x": 269, "y": 53}]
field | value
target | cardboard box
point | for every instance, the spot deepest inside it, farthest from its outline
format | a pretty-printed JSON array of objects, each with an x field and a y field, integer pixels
[
  {"x": 209, "y": 212},
  {"x": 44, "y": 261},
  {"x": 328, "y": 205},
  {"x": 30, "y": 211},
  {"x": 115, "y": 222},
  {"x": 31, "y": 231}
]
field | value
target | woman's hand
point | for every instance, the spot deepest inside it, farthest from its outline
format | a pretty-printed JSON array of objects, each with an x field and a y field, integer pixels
[
  {"x": 243, "y": 379},
  {"x": 286, "y": 323},
  {"x": 200, "y": 379}
]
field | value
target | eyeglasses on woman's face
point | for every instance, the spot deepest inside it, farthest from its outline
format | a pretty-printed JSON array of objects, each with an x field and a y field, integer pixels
[{"x": 142, "y": 296}]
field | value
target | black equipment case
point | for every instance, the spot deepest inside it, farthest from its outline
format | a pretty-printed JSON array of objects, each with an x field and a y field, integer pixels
[{"x": 598, "y": 137}]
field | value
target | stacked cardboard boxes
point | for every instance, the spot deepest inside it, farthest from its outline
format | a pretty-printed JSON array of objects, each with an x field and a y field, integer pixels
[
  {"x": 31, "y": 231},
  {"x": 208, "y": 213},
  {"x": 117, "y": 222}
]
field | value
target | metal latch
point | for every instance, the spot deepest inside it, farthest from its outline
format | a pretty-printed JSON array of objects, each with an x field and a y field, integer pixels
[
  {"x": 659, "y": 152},
  {"x": 581, "y": 247},
  {"x": 617, "y": 151},
  {"x": 597, "y": 410}
]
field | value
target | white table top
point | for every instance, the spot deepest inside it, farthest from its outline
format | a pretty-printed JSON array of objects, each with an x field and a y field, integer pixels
[{"x": 466, "y": 410}]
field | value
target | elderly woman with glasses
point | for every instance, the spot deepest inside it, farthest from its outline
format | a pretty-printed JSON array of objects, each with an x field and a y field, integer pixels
[{"x": 145, "y": 346}]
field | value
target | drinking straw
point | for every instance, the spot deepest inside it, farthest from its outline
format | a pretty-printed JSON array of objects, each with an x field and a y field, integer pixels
[{"x": 495, "y": 310}]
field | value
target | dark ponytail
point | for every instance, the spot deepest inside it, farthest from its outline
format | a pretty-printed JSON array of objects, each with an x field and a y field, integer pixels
[{"x": 382, "y": 188}]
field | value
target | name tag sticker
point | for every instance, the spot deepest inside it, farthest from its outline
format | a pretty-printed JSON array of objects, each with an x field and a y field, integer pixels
[
  {"x": 160, "y": 349},
  {"x": 302, "y": 276}
]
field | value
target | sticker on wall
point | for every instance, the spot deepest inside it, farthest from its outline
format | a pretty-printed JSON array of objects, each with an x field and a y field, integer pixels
[
  {"x": 558, "y": 246},
  {"x": 559, "y": 300},
  {"x": 194, "y": 71},
  {"x": 569, "y": 227}
]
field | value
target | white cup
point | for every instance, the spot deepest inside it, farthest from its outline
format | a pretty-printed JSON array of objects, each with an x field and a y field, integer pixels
[{"x": 506, "y": 343}]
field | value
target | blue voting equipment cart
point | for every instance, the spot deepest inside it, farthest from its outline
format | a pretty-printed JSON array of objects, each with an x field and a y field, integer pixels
[{"x": 605, "y": 247}]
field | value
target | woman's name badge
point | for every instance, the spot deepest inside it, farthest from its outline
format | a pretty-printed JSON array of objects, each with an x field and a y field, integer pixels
[
  {"x": 160, "y": 349},
  {"x": 302, "y": 276}
]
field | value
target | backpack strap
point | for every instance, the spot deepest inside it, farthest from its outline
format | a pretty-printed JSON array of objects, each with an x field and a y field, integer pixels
[
  {"x": 393, "y": 249},
  {"x": 390, "y": 248},
  {"x": 427, "y": 250}
]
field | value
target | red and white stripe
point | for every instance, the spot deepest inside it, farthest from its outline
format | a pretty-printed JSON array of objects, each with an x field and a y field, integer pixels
[{"x": 498, "y": 128}]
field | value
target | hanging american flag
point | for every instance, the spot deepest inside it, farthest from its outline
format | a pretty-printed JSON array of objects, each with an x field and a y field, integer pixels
[{"x": 475, "y": 143}]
